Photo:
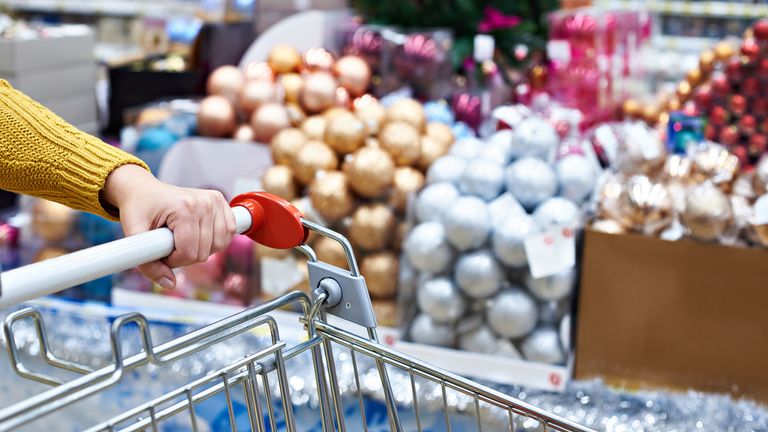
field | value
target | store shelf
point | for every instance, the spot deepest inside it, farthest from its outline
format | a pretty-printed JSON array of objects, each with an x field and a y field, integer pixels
[
  {"x": 694, "y": 8},
  {"x": 106, "y": 7}
]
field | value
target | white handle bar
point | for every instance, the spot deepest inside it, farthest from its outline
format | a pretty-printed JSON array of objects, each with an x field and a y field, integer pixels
[{"x": 56, "y": 274}]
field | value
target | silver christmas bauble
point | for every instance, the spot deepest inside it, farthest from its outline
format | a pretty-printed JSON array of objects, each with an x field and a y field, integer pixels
[
  {"x": 483, "y": 340},
  {"x": 478, "y": 274},
  {"x": 483, "y": 178},
  {"x": 498, "y": 148},
  {"x": 554, "y": 287},
  {"x": 440, "y": 299},
  {"x": 513, "y": 313},
  {"x": 467, "y": 222},
  {"x": 557, "y": 212},
  {"x": 466, "y": 148},
  {"x": 508, "y": 239},
  {"x": 425, "y": 330},
  {"x": 577, "y": 177},
  {"x": 531, "y": 181},
  {"x": 565, "y": 332},
  {"x": 503, "y": 207},
  {"x": 448, "y": 168},
  {"x": 543, "y": 345},
  {"x": 551, "y": 312},
  {"x": 535, "y": 137},
  {"x": 427, "y": 248},
  {"x": 434, "y": 200}
]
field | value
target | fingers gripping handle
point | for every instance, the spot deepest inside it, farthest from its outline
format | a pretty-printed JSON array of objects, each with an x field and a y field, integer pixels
[{"x": 252, "y": 211}]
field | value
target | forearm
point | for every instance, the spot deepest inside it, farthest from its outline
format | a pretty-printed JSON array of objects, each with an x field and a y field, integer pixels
[{"x": 43, "y": 155}]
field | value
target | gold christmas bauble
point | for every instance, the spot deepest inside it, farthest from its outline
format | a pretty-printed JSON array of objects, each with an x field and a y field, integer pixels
[
  {"x": 707, "y": 61},
  {"x": 318, "y": 92},
  {"x": 152, "y": 116},
  {"x": 330, "y": 195},
  {"x": 333, "y": 112},
  {"x": 295, "y": 114},
  {"x": 354, "y": 74},
  {"x": 372, "y": 114},
  {"x": 707, "y": 213},
  {"x": 52, "y": 221},
  {"x": 256, "y": 94},
  {"x": 372, "y": 227},
  {"x": 684, "y": 90},
  {"x": 216, "y": 117},
  {"x": 47, "y": 253},
  {"x": 278, "y": 180},
  {"x": 370, "y": 171},
  {"x": 440, "y": 132},
  {"x": 724, "y": 51},
  {"x": 402, "y": 141},
  {"x": 314, "y": 127},
  {"x": 227, "y": 81},
  {"x": 694, "y": 77},
  {"x": 243, "y": 132},
  {"x": 345, "y": 133},
  {"x": 387, "y": 313},
  {"x": 343, "y": 99},
  {"x": 431, "y": 150},
  {"x": 330, "y": 251},
  {"x": 381, "y": 272},
  {"x": 259, "y": 71},
  {"x": 291, "y": 84},
  {"x": 285, "y": 145},
  {"x": 268, "y": 120},
  {"x": 314, "y": 156},
  {"x": 401, "y": 232},
  {"x": 409, "y": 111},
  {"x": 283, "y": 59},
  {"x": 407, "y": 181},
  {"x": 631, "y": 108},
  {"x": 318, "y": 59}
]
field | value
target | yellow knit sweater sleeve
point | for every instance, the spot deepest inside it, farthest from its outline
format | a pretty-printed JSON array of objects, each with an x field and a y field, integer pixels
[{"x": 43, "y": 155}]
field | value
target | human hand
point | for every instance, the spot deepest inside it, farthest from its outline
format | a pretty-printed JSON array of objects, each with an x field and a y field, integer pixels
[{"x": 201, "y": 220}]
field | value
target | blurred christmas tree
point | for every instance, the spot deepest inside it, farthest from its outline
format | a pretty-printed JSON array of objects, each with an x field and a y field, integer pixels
[{"x": 518, "y": 26}]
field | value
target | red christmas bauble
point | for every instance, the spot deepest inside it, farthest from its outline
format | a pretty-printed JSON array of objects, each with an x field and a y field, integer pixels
[
  {"x": 711, "y": 132},
  {"x": 733, "y": 69},
  {"x": 750, "y": 48},
  {"x": 759, "y": 107},
  {"x": 720, "y": 84},
  {"x": 758, "y": 144},
  {"x": 760, "y": 30},
  {"x": 741, "y": 153},
  {"x": 703, "y": 97},
  {"x": 718, "y": 116},
  {"x": 748, "y": 124},
  {"x": 750, "y": 85},
  {"x": 762, "y": 67},
  {"x": 729, "y": 136},
  {"x": 738, "y": 104}
]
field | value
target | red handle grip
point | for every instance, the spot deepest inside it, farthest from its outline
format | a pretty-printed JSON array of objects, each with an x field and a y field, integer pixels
[{"x": 276, "y": 223}]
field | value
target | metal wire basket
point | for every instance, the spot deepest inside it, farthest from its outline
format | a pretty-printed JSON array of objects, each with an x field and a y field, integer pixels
[{"x": 260, "y": 378}]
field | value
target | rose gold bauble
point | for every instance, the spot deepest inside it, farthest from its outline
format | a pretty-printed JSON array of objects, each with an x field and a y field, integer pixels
[
  {"x": 314, "y": 156},
  {"x": 318, "y": 92},
  {"x": 226, "y": 81},
  {"x": 343, "y": 99},
  {"x": 256, "y": 94},
  {"x": 441, "y": 132},
  {"x": 409, "y": 111},
  {"x": 354, "y": 74},
  {"x": 381, "y": 271},
  {"x": 278, "y": 180},
  {"x": 372, "y": 227},
  {"x": 330, "y": 251},
  {"x": 285, "y": 145},
  {"x": 318, "y": 59},
  {"x": 314, "y": 127},
  {"x": 345, "y": 133},
  {"x": 52, "y": 221},
  {"x": 387, "y": 312},
  {"x": 243, "y": 132},
  {"x": 283, "y": 59},
  {"x": 49, "y": 252},
  {"x": 372, "y": 114},
  {"x": 216, "y": 117},
  {"x": 291, "y": 84},
  {"x": 330, "y": 195},
  {"x": 268, "y": 120},
  {"x": 402, "y": 141},
  {"x": 407, "y": 181},
  {"x": 333, "y": 112},
  {"x": 370, "y": 171},
  {"x": 259, "y": 71},
  {"x": 295, "y": 114},
  {"x": 430, "y": 150}
]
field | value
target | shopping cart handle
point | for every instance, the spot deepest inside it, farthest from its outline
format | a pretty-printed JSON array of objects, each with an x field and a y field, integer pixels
[{"x": 265, "y": 218}]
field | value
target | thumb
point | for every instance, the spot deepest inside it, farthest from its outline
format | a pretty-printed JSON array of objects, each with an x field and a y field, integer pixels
[{"x": 159, "y": 273}]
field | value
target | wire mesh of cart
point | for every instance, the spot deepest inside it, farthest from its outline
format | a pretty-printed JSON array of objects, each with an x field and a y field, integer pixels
[{"x": 259, "y": 378}]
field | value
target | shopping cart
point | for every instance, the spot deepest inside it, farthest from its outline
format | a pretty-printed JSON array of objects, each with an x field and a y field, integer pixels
[{"x": 261, "y": 376}]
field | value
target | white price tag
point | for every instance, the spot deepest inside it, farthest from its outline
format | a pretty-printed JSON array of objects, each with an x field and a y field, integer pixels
[{"x": 552, "y": 251}]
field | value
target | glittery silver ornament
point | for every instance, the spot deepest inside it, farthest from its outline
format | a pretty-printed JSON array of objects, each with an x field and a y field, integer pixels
[
  {"x": 531, "y": 181},
  {"x": 577, "y": 176},
  {"x": 557, "y": 212},
  {"x": 448, "y": 168},
  {"x": 478, "y": 274},
  {"x": 466, "y": 148},
  {"x": 565, "y": 332},
  {"x": 425, "y": 330},
  {"x": 427, "y": 248},
  {"x": 484, "y": 340},
  {"x": 434, "y": 200},
  {"x": 467, "y": 222},
  {"x": 554, "y": 287},
  {"x": 513, "y": 313},
  {"x": 535, "y": 137},
  {"x": 543, "y": 345},
  {"x": 483, "y": 178},
  {"x": 508, "y": 239},
  {"x": 551, "y": 312},
  {"x": 498, "y": 148},
  {"x": 440, "y": 299},
  {"x": 504, "y": 207}
]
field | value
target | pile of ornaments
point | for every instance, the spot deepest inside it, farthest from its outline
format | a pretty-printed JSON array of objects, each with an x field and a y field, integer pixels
[
  {"x": 474, "y": 289},
  {"x": 353, "y": 171},
  {"x": 704, "y": 195},
  {"x": 288, "y": 90}
]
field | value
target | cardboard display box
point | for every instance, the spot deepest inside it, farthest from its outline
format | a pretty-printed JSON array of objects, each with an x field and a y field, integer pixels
[{"x": 680, "y": 315}]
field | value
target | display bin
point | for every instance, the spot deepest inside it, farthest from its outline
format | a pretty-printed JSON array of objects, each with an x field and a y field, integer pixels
[{"x": 679, "y": 315}]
